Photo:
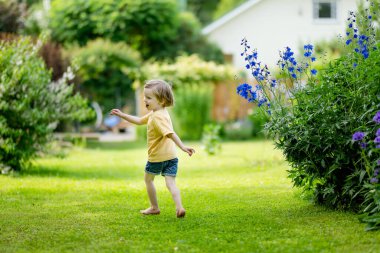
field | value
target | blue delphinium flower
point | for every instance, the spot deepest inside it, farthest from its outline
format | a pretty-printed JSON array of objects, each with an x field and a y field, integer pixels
[
  {"x": 243, "y": 90},
  {"x": 362, "y": 41},
  {"x": 377, "y": 141},
  {"x": 358, "y": 136},
  {"x": 376, "y": 118}
]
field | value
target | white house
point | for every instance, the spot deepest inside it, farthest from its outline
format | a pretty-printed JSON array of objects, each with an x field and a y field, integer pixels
[{"x": 271, "y": 25}]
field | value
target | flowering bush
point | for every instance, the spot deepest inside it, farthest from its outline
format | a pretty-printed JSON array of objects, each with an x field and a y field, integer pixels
[
  {"x": 314, "y": 113},
  {"x": 369, "y": 142},
  {"x": 31, "y": 105}
]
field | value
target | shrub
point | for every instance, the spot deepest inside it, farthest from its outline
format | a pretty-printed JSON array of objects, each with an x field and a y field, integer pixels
[
  {"x": 192, "y": 110},
  {"x": 211, "y": 139},
  {"x": 103, "y": 72},
  {"x": 155, "y": 28},
  {"x": 313, "y": 123},
  {"x": 11, "y": 16},
  {"x": 30, "y": 104}
]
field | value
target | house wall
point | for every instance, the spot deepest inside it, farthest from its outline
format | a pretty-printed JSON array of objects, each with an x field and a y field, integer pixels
[{"x": 271, "y": 25}]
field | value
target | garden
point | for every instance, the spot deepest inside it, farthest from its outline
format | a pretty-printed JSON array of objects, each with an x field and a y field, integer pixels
[{"x": 298, "y": 172}]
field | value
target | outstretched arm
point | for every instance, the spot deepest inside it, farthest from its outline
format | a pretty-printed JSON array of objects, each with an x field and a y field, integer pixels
[
  {"x": 179, "y": 143},
  {"x": 133, "y": 119}
]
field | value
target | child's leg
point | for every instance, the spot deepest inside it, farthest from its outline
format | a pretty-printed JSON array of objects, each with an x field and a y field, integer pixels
[
  {"x": 170, "y": 183},
  {"x": 151, "y": 190}
]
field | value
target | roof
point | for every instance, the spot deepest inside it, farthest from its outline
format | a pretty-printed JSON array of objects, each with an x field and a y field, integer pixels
[{"x": 229, "y": 16}]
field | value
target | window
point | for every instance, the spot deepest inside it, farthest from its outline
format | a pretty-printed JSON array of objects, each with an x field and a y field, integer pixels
[{"x": 324, "y": 9}]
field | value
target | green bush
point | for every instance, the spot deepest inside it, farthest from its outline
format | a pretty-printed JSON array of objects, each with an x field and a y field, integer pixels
[
  {"x": 155, "y": 28},
  {"x": 313, "y": 117},
  {"x": 192, "y": 110},
  {"x": 30, "y": 104},
  {"x": 146, "y": 25},
  {"x": 104, "y": 72},
  {"x": 315, "y": 135}
]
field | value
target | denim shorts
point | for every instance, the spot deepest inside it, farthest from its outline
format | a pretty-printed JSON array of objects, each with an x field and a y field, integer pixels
[{"x": 165, "y": 168}]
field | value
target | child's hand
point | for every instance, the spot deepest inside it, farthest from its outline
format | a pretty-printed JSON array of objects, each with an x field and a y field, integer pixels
[
  {"x": 116, "y": 112},
  {"x": 189, "y": 151}
]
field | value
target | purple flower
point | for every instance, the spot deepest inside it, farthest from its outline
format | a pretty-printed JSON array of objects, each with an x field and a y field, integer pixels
[
  {"x": 377, "y": 140},
  {"x": 378, "y": 162},
  {"x": 357, "y": 136},
  {"x": 376, "y": 172},
  {"x": 377, "y": 118},
  {"x": 378, "y": 132},
  {"x": 374, "y": 180},
  {"x": 363, "y": 145}
]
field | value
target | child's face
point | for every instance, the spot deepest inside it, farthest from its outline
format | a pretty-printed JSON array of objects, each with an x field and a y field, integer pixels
[{"x": 150, "y": 100}]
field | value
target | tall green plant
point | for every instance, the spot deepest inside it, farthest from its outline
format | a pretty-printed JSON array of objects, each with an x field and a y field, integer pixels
[
  {"x": 192, "y": 110},
  {"x": 31, "y": 105}
]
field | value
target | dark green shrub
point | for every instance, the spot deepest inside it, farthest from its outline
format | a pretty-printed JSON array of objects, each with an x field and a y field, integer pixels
[
  {"x": 11, "y": 16},
  {"x": 31, "y": 105},
  {"x": 155, "y": 28},
  {"x": 73, "y": 20},
  {"x": 314, "y": 123}
]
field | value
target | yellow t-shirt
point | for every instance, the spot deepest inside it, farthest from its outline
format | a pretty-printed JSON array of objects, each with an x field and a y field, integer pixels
[{"x": 160, "y": 147}]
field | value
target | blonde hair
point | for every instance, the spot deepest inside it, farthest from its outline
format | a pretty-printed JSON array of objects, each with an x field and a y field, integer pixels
[{"x": 162, "y": 91}]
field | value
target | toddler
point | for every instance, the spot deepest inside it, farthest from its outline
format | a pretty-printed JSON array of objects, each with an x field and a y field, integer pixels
[{"x": 162, "y": 158}]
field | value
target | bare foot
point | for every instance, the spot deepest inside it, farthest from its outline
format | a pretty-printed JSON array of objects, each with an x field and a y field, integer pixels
[
  {"x": 150, "y": 211},
  {"x": 181, "y": 213}
]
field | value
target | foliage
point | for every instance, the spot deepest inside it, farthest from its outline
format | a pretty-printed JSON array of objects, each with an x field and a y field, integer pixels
[
  {"x": 192, "y": 110},
  {"x": 11, "y": 16},
  {"x": 368, "y": 138},
  {"x": 225, "y": 6},
  {"x": 30, "y": 104},
  {"x": 192, "y": 80},
  {"x": 258, "y": 121},
  {"x": 147, "y": 25},
  {"x": 189, "y": 40},
  {"x": 313, "y": 123},
  {"x": 202, "y": 9},
  {"x": 104, "y": 71},
  {"x": 73, "y": 20},
  {"x": 154, "y": 28},
  {"x": 211, "y": 138},
  {"x": 36, "y": 20}
]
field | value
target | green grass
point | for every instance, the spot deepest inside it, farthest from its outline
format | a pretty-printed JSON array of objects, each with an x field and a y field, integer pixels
[{"x": 239, "y": 201}]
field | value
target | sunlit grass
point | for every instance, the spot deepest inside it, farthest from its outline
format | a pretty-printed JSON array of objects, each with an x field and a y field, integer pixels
[{"x": 238, "y": 201}]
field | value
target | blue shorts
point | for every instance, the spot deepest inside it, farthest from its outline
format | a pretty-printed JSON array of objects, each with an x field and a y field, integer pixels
[{"x": 165, "y": 168}]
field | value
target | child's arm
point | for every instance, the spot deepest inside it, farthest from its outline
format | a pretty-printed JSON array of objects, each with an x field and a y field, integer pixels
[
  {"x": 179, "y": 143},
  {"x": 129, "y": 118}
]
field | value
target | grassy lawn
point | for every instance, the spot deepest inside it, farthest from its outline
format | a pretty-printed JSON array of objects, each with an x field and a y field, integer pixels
[{"x": 239, "y": 201}]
